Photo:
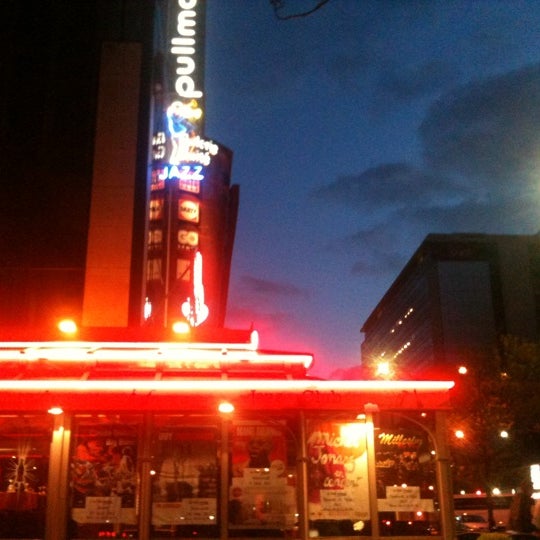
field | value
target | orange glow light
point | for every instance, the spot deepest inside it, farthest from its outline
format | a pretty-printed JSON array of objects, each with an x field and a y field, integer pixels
[
  {"x": 181, "y": 327},
  {"x": 67, "y": 326},
  {"x": 383, "y": 369},
  {"x": 226, "y": 407}
]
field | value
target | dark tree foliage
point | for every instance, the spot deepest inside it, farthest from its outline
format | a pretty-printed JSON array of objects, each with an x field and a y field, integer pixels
[{"x": 498, "y": 393}]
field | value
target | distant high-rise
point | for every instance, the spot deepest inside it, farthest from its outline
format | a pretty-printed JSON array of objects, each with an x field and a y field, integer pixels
[{"x": 452, "y": 300}]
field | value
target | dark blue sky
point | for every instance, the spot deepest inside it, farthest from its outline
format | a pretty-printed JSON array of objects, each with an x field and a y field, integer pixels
[{"x": 357, "y": 131}]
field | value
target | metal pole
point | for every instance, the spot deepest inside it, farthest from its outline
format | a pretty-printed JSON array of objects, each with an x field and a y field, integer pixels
[
  {"x": 370, "y": 411},
  {"x": 145, "y": 509},
  {"x": 57, "y": 485},
  {"x": 303, "y": 506},
  {"x": 444, "y": 478},
  {"x": 224, "y": 480},
  {"x": 169, "y": 195}
]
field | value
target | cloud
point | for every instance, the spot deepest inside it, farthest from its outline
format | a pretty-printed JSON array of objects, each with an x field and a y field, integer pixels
[
  {"x": 245, "y": 316},
  {"x": 409, "y": 82},
  {"x": 481, "y": 145},
  {"x": 389, "y": 186},
  {"x": 496, "y": 215},
  {"x": 378, "y": 262},
  {"x": 373, "y": 250},
  {"x": 265, "y": 287},
  {"x": 487, "y": 130}
]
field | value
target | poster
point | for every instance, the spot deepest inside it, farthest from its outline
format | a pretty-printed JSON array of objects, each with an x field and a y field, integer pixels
[
  {"x": 262, "y": 493},
  {"x": 103, "y": 477},
  {"x": 337, "y": 471},
  {"x": 185, "y": 479},
  {"x": 404, "y": 470}
]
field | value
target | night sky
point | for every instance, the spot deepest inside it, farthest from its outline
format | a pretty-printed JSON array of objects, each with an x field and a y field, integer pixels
[{"x": 357, "y": 131}]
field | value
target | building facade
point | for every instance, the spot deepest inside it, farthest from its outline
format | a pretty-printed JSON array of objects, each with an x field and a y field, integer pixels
[
  {"x": 111, "y": 434},
  {"x": 457, "y": 294},
  {"x": 110, "y": 191}
]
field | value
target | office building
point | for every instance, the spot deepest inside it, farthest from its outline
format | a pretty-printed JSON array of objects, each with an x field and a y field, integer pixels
[{"x": 453, "y": 299}]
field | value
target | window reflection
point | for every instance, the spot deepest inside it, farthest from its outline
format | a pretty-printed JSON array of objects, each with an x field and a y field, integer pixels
[
  {"x": 103, "y": 475},
  {"x": 185, "y": 473},
  {"x": 405, "y": 471},
  {"x": 262, "y": 490},
  {"x": 338, "y": 489},
  {"x": 24, "y": 464}
]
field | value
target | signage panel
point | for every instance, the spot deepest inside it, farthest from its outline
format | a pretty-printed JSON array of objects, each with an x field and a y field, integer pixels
[
  {"x": 337, "y": 470},
  {"x": 188, "y": 209},
  {"x": 405, "y": 471},
  {"x": 262, "y": 494}
]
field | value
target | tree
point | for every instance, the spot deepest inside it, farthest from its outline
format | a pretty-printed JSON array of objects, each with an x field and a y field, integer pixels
[{"x": 500, "y": 394}]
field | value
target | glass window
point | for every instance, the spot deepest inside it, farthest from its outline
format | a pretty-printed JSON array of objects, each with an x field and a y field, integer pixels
[
  {"x": 24, "y": 461},
  {"x": 186, "y": 478},
  {"x": 153, "y": 269},
  {"x": 338, "y": 490},
  {"x": 262, "y": 489},
  {"x": 103, "y": 476},
  {"x": 405, "y": 471}
]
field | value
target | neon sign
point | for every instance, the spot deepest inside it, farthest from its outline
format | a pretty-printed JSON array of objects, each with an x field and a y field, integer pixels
[
  {"x": 194, "y": 309},
  {"x": 177, "y": 137},
  {"x": 185, "y": 172},
  {"x": 188, "y": 239},
  {"x": 188, "y": 210},
  {"x": 185, "y": 145},
  {"x": 183, "y": 47}
]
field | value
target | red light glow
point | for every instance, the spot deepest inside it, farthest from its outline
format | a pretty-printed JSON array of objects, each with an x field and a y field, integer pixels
[
  {"x": 226, "y": 407},
  {"x": 204, "y": 355},
  {"x": 180, "y": 327},
  {"x": 223, "y": 385}
]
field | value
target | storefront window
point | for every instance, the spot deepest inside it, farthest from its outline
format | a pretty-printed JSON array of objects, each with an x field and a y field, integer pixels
[
  {"x": 103, "y": 476},
  {"x": 338, "y": 490},
  {"x": 185, "y": 478},
  {"x": 405, "y": 471},
  {"x": 262, "y": 490},
  {"x": 24, "y": 462}
]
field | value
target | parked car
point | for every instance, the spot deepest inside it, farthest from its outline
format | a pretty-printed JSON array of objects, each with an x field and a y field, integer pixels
[{"x": 471, "y": 522}]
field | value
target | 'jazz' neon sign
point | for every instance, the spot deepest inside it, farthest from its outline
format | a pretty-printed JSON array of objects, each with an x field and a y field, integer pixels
[{"x": 182, "y": 172}]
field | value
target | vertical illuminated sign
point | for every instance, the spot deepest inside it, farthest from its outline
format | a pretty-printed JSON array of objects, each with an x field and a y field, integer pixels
[
  {"x": 184, "y": 46},
  {"x": 178, "y": 146},
  {"x": 180, "y": 157}
]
